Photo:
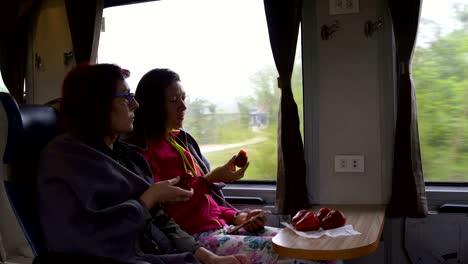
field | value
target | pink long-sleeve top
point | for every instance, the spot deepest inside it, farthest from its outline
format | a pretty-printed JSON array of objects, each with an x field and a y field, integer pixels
[{"x": 201, "y": 212}]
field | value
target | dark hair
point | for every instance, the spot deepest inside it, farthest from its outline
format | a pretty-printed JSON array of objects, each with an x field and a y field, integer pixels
[
  {"x": 150, "y": 117},
  {"x": 87, "y": 94}
]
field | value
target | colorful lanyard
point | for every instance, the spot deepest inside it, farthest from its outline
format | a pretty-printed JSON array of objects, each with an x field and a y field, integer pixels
[
  {"x": 186, "y": 163},
  {"x": 180, "y": 150}
]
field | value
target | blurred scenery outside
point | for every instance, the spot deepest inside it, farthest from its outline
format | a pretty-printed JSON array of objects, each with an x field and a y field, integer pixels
[
  {"x": 2, "y": 85},
  {"x": 440, "y": 71},
  {"x": 226, "y": 68},
  {"x": 228, "y": 72}
]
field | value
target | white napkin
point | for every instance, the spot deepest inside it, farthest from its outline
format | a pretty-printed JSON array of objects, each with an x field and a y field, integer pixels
[{"x": 346, "y": 230}]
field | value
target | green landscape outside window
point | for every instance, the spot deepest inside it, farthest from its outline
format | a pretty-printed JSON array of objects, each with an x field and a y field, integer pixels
[{"x": 440, "y": 71}]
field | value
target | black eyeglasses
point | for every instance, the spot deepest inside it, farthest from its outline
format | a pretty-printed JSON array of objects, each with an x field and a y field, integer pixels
[{"x": 128, "y": 96}]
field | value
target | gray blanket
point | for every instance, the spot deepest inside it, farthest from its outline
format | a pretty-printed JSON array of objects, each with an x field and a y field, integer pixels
[{"x": 87, "y": 205}]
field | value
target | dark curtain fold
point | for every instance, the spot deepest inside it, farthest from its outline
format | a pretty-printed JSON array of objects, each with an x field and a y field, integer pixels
[
  {"x": 408, "y": 188},
  {"x": 15, "y": 22},
  {"x": 283, "y": 19},
  {"x": 84, "y": 20}
]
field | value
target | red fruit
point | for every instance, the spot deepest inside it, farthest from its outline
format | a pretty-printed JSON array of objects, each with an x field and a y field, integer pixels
[
  {"x": 309, "y": 222},
  {"x": 322, "y": 213},
  {"x": 241, "y": 159},
  {"x": 333, "y": 219},
  {"x": 299, "y": 215},
  {"x": 185, "y": 181}
]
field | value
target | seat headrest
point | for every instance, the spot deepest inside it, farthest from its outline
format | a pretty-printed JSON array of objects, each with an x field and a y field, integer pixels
[
  {"x": 30, "y": 127},
  {"x": 14, "y": 125},
  {"x": 40, "y": 125}
]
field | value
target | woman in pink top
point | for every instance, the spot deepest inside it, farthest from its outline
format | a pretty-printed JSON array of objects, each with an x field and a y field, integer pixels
[{"x": 172, "y": 152}]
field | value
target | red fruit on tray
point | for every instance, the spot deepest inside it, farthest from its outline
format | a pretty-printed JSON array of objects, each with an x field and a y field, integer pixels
[
  {"x": 299, "y": 215},
  {"x": 322, "y": 213},
  {"x": 185, "y": 181},
  {"x": 241, "y": 159},
  {"x": 309, "y": 222},
  {"x": 333, "y": 219}
]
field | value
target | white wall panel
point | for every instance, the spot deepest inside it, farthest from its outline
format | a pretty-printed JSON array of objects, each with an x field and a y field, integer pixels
[
  {"x": 51, "y": 39},
  {"x": 348, "y": 85}
]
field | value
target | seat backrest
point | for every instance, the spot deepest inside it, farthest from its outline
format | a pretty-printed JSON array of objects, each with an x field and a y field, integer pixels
[
  {"x": 30, "y": 128},
  {"x": 27, "y": 216}
]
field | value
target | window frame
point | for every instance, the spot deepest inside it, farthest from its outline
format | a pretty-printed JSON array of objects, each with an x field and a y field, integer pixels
[
  {"x": 264, "y": 189},
  {"x": 439, "y": 193}
]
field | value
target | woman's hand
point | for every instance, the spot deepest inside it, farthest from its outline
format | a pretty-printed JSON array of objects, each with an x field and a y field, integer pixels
[
  {"x": 256, "y": 223},
  {"x": 165, "y": 192},
  {"x": 207, "y": 257},
  {"x": 226, "y": 172}
]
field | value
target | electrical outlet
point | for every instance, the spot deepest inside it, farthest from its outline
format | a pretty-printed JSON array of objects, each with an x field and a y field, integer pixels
[{"x": 349, "y": 163}]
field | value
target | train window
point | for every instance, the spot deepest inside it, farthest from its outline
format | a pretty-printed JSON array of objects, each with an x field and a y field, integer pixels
[
  {"x": 2, "y": 85},
  {"x": 440, "y": 67},
  {"x": 221, "y": 50}
]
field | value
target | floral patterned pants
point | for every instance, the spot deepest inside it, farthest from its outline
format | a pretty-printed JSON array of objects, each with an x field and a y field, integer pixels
[{"x": 257, "y": 246}]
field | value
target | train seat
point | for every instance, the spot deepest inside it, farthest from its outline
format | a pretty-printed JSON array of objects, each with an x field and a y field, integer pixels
[{"x": 29, "y": 128}]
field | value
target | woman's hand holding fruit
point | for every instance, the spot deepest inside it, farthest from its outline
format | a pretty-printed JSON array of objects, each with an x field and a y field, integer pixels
[
  {"x": 257, "y": 221},
  {"x": 228, "y": 172},
  {"x": 241, "y": 159}
]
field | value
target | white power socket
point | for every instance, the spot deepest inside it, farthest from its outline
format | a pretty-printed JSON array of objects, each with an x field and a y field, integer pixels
[{"x": 349, "y": 163}]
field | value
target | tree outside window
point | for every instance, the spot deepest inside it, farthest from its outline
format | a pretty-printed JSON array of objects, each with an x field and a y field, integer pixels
[{"x": 440, "y": 71}]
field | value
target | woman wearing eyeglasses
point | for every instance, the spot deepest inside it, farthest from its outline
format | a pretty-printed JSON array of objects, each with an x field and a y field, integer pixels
[
  {"x": 172, "y": 152},
  {"x": 96, "y": 193}
]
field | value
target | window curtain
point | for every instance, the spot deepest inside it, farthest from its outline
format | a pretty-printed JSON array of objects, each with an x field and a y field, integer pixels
[
  {"x": 408, "y": 188},
  {"x": 15, "y": 21},
  {"x": 84, "y": 20},
  {"x": 283, "y": 19}
]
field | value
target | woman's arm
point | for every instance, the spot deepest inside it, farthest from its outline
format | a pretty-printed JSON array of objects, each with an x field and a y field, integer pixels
[
  {"x": 256, "y": 220},
  {"x": 228, "y": 214},
  {"x": 165, "y": 192},
  {"x": 85, "y": 202},
  {"x": 226, "y": 172},
  {"x": 162, "y": 191},
  {"x": 181, "y": 239}
]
